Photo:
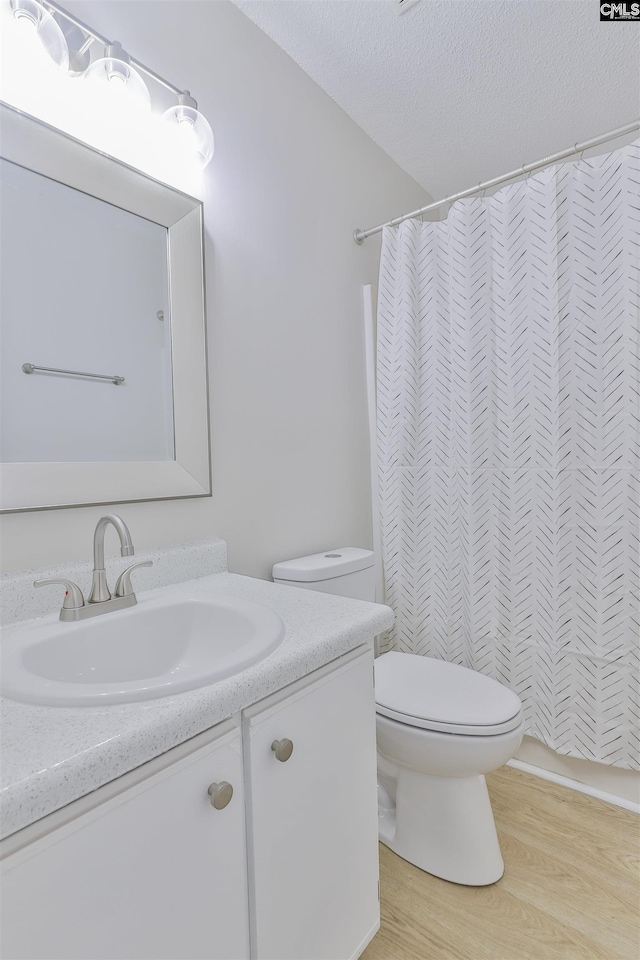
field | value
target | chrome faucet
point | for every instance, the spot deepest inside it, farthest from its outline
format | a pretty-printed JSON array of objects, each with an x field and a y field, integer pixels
[
  {"x": 101, "y": 600},
  {"x": 99, "y": 590}
]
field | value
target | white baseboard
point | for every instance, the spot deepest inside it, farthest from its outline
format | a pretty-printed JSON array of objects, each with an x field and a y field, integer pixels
[
  {"x": 611, "y": 781},
  {"x": 576, "y": 785}
]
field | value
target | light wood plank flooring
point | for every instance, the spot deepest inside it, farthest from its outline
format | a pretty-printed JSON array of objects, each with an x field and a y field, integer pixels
[{"x": 570, "y": 891}]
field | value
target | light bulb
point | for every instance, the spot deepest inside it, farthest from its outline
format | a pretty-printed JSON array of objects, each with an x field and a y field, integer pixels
[
  {"x": 24, "y": 21},
  {"x": 38, "y": 31},
  {"x": 113, "y": 77},
  {"x": 193, "y": 135},
  {"x": 187, "y": 133}
]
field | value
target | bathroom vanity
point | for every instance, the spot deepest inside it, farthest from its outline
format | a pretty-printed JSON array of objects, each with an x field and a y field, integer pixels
[{"x": 255, "y": 837}]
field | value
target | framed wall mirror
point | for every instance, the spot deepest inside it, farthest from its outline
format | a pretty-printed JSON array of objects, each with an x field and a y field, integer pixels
[{"x": 103, "y": 374}]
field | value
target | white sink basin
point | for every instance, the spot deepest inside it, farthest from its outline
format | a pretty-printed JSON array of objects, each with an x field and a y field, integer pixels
[{"x": 155, "y": 649}]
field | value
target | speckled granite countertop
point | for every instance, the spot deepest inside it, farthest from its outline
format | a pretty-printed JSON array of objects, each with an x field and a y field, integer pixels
[{"x": 53, "y": 755}]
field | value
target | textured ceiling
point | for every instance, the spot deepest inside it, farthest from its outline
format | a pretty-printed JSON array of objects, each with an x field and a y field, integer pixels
[{"x": 458, "y": 91}]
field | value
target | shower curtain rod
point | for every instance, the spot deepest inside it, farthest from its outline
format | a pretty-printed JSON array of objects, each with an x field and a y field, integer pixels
[{"x": 360, "y": 235}]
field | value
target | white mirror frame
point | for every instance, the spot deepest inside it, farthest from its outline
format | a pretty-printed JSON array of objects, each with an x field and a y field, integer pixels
[{"x": 37, "y": 486}]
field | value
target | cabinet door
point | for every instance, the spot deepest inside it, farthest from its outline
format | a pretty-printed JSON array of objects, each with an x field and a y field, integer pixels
[
  {"x": 312, "y": 820},
  {"x": 154, "y": 872}
]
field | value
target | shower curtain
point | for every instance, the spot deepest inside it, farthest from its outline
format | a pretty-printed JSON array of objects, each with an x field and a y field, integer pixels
[{"x": 508, "y": 393}]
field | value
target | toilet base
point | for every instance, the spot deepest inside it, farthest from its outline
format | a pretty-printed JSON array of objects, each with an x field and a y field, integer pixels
[{"x": 444, "y": 825}]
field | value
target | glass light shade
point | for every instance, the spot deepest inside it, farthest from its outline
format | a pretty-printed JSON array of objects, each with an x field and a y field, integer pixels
[
  {"x": 192, "y": 135},
  {"x": 118, "y": 83},
  {"x": 39, "y": 29}
]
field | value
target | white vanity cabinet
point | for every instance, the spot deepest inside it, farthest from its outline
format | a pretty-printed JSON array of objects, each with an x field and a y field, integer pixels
[
  {"x": 153, "y": 872},
  {"x": 312, "y": 817},
  {"x": 147, "y": 867}
]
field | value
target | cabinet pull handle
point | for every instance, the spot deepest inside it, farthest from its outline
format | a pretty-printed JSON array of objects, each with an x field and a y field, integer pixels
[
  {"x": 282, "y": 749},
  {"x": 220, "y": 794}
]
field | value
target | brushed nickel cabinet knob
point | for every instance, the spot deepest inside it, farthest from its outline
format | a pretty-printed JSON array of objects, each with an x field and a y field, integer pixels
[
  {"x": 220, "y": 794},
  {"x": 282, "y": 749}
]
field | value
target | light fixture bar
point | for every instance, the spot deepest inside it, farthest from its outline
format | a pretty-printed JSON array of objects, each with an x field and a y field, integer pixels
[{"x": 55, "y": 8}]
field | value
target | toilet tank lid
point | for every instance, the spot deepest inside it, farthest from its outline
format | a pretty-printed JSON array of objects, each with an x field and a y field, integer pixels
[{"x": 324, "y": 566}]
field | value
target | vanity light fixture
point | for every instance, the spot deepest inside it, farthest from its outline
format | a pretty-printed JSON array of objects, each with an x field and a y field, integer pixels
[
  {"x": 115, "y": 78},
  {"x": 112, "y": 74},
  {"x": 32, "y": 18},
  {"x": 192, "y": 128}
]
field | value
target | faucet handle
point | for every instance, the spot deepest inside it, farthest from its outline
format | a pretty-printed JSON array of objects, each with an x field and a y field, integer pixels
[
  {"x": 73, "y": 597},
  {"x": 123, "y": 584}
]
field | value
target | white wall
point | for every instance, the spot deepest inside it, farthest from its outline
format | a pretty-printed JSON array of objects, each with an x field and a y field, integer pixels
[{"x": 291, "y": 178}]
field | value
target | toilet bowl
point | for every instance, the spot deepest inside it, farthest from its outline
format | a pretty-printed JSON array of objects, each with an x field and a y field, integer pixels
[{"x": 440, "y": 728}]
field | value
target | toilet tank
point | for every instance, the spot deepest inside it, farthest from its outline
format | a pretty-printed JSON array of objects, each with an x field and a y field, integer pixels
[{"x": 345, "y": 571}]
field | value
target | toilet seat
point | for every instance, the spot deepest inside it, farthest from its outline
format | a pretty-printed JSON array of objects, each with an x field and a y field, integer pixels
[{"x": 443, "y": 697}]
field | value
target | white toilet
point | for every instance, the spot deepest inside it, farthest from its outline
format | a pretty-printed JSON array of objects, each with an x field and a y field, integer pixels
[{"x": 440, "y": 729}]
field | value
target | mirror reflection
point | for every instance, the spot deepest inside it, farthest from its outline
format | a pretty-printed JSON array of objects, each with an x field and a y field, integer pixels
[{"x": 85, "y": 291}]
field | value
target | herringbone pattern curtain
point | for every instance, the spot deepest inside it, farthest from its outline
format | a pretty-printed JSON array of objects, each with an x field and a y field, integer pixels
[{"x": 508, "y": 445}]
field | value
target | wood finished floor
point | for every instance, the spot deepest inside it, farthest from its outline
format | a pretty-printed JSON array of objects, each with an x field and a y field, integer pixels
[{"x": 570, "y": 891}]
